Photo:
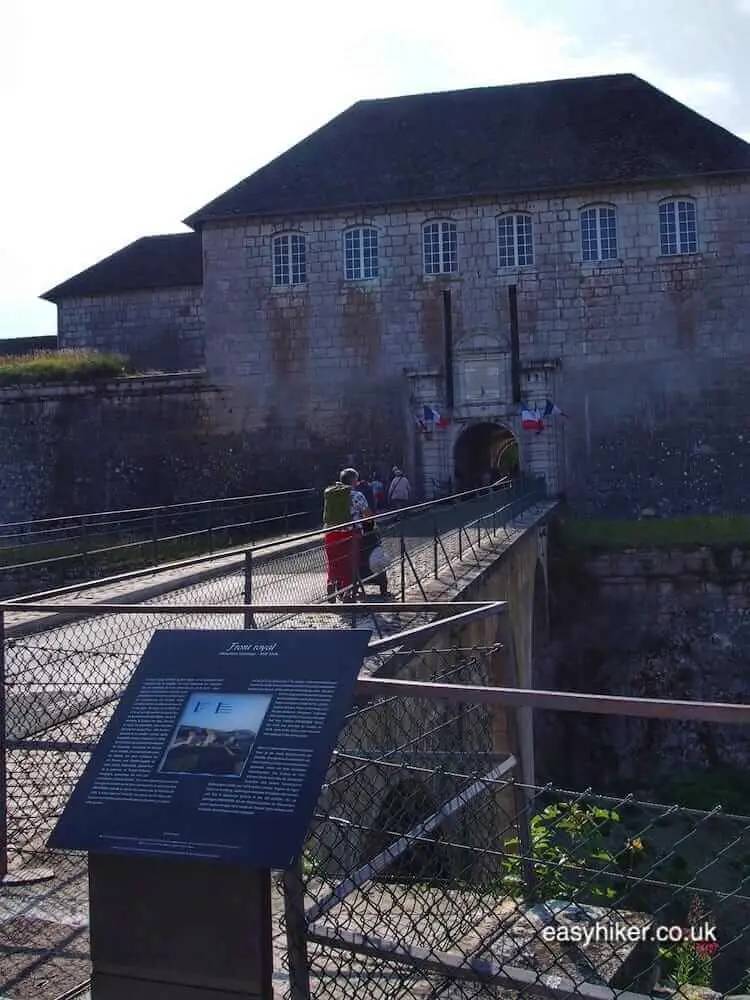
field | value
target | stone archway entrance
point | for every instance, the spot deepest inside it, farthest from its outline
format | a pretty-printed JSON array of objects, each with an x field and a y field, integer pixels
[{"x": 482, "y": 448}]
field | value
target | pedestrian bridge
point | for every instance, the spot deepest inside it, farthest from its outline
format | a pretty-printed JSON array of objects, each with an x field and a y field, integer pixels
[{"x": 67, "y": 654}]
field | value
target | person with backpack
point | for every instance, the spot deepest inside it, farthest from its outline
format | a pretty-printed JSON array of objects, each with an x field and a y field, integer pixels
[{"x": 343, "y": 506}]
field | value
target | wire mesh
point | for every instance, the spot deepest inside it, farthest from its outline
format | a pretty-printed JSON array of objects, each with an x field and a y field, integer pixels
[
  {"x": 63, "y": 681},
  {"x": 432, "y": 871},
  {"x": 62, "y": 684}
]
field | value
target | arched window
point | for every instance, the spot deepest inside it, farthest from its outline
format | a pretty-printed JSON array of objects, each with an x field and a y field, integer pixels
[
  {"x": 678, "y": 226},
  {"x": 440, "y": 246},
  {"x": 598, "y": 232},
  {"x": 515, "y": 241},
  {"x": 361, "y": 253},
  {"x": 289, "y": 260}
]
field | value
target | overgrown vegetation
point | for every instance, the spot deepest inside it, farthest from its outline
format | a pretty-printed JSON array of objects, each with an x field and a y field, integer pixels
[
  {"x": 73, "y": 365},
  {"x": 656, "y": 532},
  {"x": 691, "y": 962},
  {"x": 585, "y": 853},
  {"x": 567, "y": 851}
]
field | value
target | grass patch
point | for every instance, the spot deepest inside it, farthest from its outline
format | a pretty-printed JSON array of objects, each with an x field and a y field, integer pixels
[
  {"x": 667, "y": 532},
  {"x": 74, "y": 365}
]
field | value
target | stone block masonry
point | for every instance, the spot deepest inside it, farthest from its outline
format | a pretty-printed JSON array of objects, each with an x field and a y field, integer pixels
[
  {"x": 646, "y": 623},
  {"x": 650, "y": 352},
  {"x": 160, "y": 330},
  {"x": 131, "y": 442}
]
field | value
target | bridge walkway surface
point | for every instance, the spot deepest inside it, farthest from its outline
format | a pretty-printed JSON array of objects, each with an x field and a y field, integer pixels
[{"x": 66, "y": 663}]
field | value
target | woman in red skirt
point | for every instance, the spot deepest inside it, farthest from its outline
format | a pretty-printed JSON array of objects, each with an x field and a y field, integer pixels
[{"x": 341, "y": 542}]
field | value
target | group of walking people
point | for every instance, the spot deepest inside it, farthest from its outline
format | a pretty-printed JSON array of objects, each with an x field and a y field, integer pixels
[{"x": 353, "y": 547}]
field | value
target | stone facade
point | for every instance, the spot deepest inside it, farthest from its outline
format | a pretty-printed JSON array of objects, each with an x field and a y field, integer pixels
[
  {"x": 160, "y": 329},
  {"x": 125, "y": 443},
  {"x": 645, "y": 623},
  {"x": 646, "y": 353}
]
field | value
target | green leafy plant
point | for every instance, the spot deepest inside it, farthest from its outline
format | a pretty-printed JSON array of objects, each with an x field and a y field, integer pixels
[
  {"x": 310, "y": 864},
  {"x": 568, "y": 850}
]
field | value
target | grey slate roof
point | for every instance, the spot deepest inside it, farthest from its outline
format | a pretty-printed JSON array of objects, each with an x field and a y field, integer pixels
[
  {"x": 151, "y": 262},
  {"x": 493, "y": 141}
]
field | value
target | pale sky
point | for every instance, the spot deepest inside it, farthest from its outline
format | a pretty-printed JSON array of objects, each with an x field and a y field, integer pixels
[{"x": 120, "y": 119}]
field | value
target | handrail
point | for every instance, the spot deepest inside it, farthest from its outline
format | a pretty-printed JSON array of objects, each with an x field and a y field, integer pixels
[
  {"x": 291, "y": 541},
  {"x": 159, "y": 508}
]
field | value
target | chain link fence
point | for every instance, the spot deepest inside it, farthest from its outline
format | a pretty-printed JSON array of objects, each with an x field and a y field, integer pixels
[
  {"x": 62, "y": 680},
  {"x": 65, "y": 666},
  {"x": 432, "y": 871},
  {"x": 58, "y": 550}
]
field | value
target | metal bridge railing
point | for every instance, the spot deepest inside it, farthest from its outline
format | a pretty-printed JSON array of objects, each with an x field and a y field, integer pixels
[
  {"x": 64, "y": 665},
  {"x": 433, "y": 870},
  {"x": 86, "y": 545}
]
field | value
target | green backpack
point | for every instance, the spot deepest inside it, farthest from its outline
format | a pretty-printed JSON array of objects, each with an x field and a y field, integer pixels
[{"x": 337, "y": 505}]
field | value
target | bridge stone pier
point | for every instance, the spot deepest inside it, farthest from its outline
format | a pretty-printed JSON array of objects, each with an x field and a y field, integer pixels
[{"x": 390, "y": 771}]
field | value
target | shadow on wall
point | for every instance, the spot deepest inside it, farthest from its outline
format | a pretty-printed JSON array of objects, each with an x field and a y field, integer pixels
[{"x": 405, "y": 806}]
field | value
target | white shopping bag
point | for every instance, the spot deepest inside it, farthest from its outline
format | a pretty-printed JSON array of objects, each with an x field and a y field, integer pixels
[{"x": 378, "y": 560}]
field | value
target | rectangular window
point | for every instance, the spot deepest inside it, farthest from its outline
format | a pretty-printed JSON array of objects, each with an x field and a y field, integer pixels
[
  {"x": 289, "y": 260},
  {"x": 361, "y": 254},
  {"x": 515, "y": 244},
  {"x": 440, "y": 248},
  {"x": 678, "y": 227},
  {"x": 599, "y": 233}
]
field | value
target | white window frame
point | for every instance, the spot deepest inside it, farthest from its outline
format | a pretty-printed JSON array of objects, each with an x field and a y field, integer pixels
[
  {"x": 288, "y": 263},
  {"x": 361, "y": 253},
  {"x": 678, "y": 226},
  {"x": 445, "y": 261},
  {"x": 597, "y": 226},
  {"x": 515, "y": 244}
]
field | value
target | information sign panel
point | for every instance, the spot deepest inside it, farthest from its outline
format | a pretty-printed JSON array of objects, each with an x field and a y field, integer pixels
[{"x": 218, "y": 747}]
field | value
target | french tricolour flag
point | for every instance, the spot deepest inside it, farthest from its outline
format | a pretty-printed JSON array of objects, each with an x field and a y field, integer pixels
[
  {"x": 531, "y": 421},
  {"x": 552, "y": 410},
  {"x": 433, "y": 417}
]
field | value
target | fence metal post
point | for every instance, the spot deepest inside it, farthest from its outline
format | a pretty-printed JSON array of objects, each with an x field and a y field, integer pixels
[
  {"x": 286, "y": 517},
  {"x": 434, "y": 548},
  {"x": 296, "y": 933},
  {"x": 155, "y": 537},
  {"x": 3, "y": 763},
  {"x": 479, "y": 531},
  {"x": 210, "y": 529},
  {"x": 248, "y": 590},
  {"x": 522, "y": 804},
  {"x": 84, "y": 545},
  {"x": 514, "y": 728},
  {"x": 403, "y": 563},
  {"x": 357, "y": 586},
  {"x": 460, "y": 542}
]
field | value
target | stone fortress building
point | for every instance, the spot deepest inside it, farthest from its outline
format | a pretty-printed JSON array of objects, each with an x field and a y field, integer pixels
[{"x": 581, "y": 242}]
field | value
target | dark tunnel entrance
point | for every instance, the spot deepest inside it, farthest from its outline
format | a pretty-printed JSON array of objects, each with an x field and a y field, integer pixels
[{"x": 482, "y": 450}]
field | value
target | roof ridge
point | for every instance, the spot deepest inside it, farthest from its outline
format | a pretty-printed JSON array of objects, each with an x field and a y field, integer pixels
[{"x": 503, "y": 86}]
